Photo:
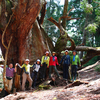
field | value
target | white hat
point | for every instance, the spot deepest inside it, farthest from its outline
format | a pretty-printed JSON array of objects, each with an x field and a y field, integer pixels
[
  {"x": 38, "y": 60},
  {"x": 66, "y": 50},
  {"x": 27, "y": 60},
  {"x": 46, "y": 52},
  {"x": 53, "y": 52}
]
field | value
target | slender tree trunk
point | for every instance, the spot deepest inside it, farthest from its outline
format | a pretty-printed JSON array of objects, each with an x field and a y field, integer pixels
[
  {"x": 84, "y": 34},
  {"x": 65, "y": 13}
]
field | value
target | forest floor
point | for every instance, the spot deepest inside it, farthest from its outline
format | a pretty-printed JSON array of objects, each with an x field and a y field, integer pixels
[{"x": 90, "y": 91}]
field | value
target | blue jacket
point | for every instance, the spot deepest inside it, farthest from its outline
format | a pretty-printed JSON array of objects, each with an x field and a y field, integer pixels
[{"x": 65, "y": 59}]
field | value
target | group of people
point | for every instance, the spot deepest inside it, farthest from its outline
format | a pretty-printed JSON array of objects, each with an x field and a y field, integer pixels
[
  {"x": 44, "y": 66},
  {"x": 72, "y": 61}
]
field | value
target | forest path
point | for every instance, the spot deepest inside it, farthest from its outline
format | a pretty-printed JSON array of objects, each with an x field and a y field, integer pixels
[{"x": 90, "y": 91}]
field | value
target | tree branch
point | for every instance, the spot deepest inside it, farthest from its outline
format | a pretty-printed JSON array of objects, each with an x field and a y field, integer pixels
[
  {"x": 7, "y": 48},
  {"x": 63, "y": 33},
  {"x": 67, "y": 18},
  {"x": 65, "y": 13},
  {"x": 4, "y": 72},
  {"x": 5, "y": 31},
  {"x": 54, "y": 22},
  {"x": 63, "y": 18},
  {"x": 70, "y": 11},
  {"x": 72, "y": 18},
  {"x": 43, "y": 12}
]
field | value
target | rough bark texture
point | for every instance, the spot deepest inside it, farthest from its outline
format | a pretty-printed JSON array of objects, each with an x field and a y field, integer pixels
[
  {"x": 28, "y": 39},
  {"x": 65, "y": 13}
]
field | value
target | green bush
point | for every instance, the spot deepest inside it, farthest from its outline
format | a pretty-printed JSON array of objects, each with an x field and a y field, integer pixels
[
  {"x": 92, "y": 61},
  {"x": 97, "y": 68}
]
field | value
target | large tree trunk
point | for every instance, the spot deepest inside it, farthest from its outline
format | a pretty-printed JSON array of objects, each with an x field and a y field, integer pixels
[{"x": 28, "y": 39}]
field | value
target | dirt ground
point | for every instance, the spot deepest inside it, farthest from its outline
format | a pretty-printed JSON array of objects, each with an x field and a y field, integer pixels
[{"x": 90, "y": 91}]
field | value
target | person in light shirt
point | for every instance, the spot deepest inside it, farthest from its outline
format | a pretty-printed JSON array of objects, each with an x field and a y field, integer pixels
[
  {"x": 1, "y": 70},
  {"x": 35, "y": 72},
  {"x": 26, "y": 75},
  {"x": 44, "y": 66},
  {"x": 1, "y": 75}
]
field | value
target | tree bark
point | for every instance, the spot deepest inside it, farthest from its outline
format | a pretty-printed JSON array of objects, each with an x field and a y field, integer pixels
[
  {"x": 28, "y": 39},
  {"x": 84, "y": 34},
  {"x": 65, "y": 13}
]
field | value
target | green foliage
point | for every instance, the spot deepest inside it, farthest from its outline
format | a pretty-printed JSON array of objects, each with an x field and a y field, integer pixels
[
  {"x": 77, "y": 38},
  {"x": 42, "y": 86},
  {"x": 92, "y": 28},
  {"x": 55, "y": 10},
  {"x": 92, "y": 61},
  {"x": 98, "y": 19},
  {"x": 88, "y": 8},
  {"x": 97, "y": 68},
  {"x": 97, "y": 11}
]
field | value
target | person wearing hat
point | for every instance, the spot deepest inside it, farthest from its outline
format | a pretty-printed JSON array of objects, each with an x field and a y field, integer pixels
[
  {"x": 52, "y": 64},
  {"x": 74, "y": 65},
  {"x": 35, "y": 72},
  {"x": 44, "y": 66},
  {"x": 66, "y": 62},
  {"x": 26, "y": 75}
]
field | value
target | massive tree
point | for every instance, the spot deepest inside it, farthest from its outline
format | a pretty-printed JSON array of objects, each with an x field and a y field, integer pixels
[
  {"x": 29, "y": 39},
  {"x": 20, "y": 20}
]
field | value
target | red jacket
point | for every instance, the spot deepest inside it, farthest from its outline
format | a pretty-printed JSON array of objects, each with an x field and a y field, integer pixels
[{"x": 53, "y": 63}]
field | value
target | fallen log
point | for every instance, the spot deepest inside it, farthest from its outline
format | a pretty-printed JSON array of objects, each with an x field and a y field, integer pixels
[{"x": 76, "y": 83}]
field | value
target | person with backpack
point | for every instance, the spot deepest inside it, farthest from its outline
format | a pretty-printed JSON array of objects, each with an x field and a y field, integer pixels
[
  {"x": 66, "y": 63},
  {"x": 44, "y": 65},
  {"x": 52, "y": 64},
  {"x": 35, "y": 72},
  {"x": 74, "y": 65}
]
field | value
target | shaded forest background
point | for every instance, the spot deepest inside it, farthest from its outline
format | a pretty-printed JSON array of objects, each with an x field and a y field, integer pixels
[
  {"x": 30, "y": 39},
  {"x": 85, "y": 31},
  {"x": 75, "y": 25}
]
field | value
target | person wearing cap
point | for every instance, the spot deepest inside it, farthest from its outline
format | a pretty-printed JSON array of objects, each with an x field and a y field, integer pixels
[
  {"x": 66, "y": 62},
  {"x": 52, "y": 64},
  {"x": 74, "y": 65},
  {"x": 26, "y": 74},
  {"x": 44, "y": 66},
  {"x": 35, "y": 72}
]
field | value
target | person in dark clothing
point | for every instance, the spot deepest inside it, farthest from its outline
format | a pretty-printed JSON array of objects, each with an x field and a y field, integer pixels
[
  {"x": 35, "y": 72},
  {"x": 66, "y": 62}
]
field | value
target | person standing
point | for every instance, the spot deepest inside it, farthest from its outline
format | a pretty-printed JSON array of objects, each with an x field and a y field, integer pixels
[
  {"x": 1, "y": 70},
  {"x": 35, "y": 72},
  {"x": 44, "y": 65},
  {"x": 9, "y": 75},
  {"x": 74, "y": 65},
  {"x": 26, "y": 74},
  {"x": 1, "y": 76},
  {"x": 52, "y": 64},
  {"x": 66, "y": 62}
]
